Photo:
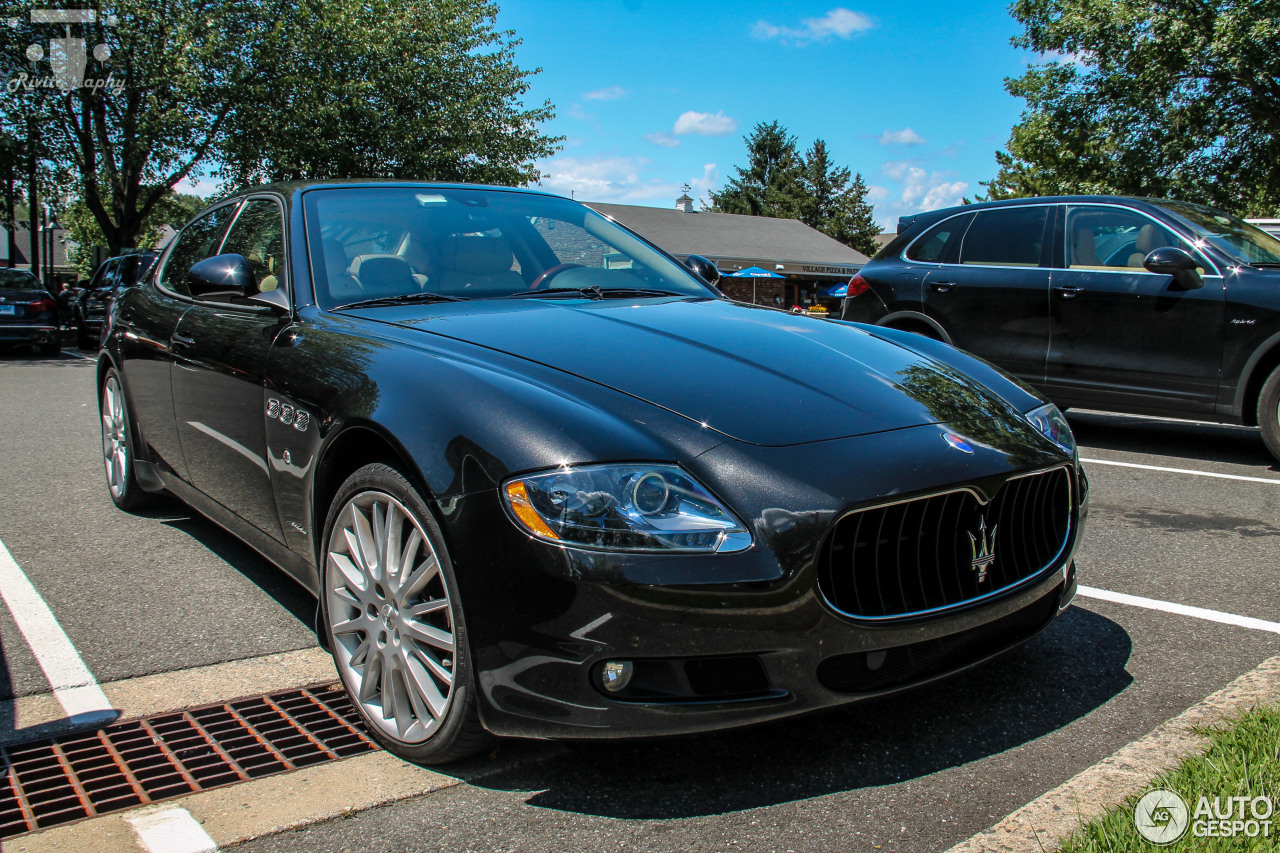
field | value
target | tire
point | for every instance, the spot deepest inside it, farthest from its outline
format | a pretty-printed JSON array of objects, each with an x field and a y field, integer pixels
[
  {"x": 117, "y": 446},
  {"x": 1269, "y": 413},
  {"x": 408, "y": 674}
]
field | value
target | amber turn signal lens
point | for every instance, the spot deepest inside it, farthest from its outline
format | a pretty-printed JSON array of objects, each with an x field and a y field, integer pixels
[{"x": 518, "y": 498}]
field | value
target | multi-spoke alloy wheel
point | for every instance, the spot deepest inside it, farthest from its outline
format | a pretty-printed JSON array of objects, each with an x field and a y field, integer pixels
[
  {"x": 393, "y": 620},
  {"x": 117, "y": 451}
]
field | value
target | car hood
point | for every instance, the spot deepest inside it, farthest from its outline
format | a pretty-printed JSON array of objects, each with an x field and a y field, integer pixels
[{"x": 754, "y": 374}]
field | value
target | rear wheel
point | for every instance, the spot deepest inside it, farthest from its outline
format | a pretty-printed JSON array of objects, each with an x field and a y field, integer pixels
[
  {"x": 1269, "y": 413},
  {"x": 391, "y": 612},
  {"x": 117, "y": 446}
]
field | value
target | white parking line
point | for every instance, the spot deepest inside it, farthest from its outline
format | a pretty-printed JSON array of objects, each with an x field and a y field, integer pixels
[
  {"x": 1180, "y": 609},
  {"x": 172, "y": 831},
  {"x": 73, "y": 685},
  {"x": 76, "y": 355},
  {"x": 1272, "y": 481}
]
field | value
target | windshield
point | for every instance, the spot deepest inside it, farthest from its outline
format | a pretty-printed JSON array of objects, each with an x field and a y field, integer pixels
[
  {"x": 1235, "y": 237},
  {"x": 11, "y": 279},
  {"x": 426, "y": 243}
]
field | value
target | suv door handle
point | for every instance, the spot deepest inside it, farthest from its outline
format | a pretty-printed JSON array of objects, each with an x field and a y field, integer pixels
[
  {"x": 181, "y": 342},
  {"x": 1069, "y": 292},
  {"x": 942, "y": 286}
]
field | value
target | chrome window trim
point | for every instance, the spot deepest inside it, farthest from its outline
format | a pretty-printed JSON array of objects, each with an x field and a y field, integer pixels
[
  {"x": 1053, "y": 565},
  {"x": 1131, "y": 270}
]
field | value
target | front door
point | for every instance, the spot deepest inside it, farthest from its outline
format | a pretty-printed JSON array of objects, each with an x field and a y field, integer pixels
[
  {"x": 1123, "y": 337},
  {"x": 221, "y": 352}
]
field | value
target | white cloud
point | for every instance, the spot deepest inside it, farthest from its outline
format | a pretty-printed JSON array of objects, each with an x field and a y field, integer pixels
[
  {"x": 576, "y": 111},
  {"x": 666, "y": 140},
  {"x": 609, "y": 93},
  {"x": 839, "y": 22},
  {"x": 919, "y": 190},
  {"x": 704, "y": 124},
  {"x": 622, "y": 180},
  {"x": 906, "y": 136},
  {"x": 896, "y": 169}
]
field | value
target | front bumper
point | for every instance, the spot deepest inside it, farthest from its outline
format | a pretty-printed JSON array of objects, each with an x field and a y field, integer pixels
[{"x": 542, "y": 621}]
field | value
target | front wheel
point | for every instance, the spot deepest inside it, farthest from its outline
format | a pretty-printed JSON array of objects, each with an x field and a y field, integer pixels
[
  {"x": 1269, "y": 413},
  {"x": 391, "y": 614}
]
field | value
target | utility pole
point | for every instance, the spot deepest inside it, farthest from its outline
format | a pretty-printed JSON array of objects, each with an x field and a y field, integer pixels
[
  {"x": 33, "y": 208},
  {"x": 10, "y": 221}
]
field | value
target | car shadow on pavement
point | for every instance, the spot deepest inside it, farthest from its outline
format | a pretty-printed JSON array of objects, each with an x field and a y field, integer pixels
[
  {"x": 1179, "y": 439},
  {"x": 1076, "y": 666}
]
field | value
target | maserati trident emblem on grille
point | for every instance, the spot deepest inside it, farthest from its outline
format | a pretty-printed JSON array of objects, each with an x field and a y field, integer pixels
[{"x": 984, "y": 549}]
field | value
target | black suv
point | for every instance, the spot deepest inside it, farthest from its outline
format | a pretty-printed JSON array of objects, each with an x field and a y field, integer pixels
[
  {"x": 113, "y": 276},
  {"x": 1121, "y": 304}
]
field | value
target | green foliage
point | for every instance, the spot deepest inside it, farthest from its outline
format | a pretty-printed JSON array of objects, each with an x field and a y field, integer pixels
[
  {"x": 345, "y": 88},
  {"x": 778, "y": 182},
  {"x": 1174, "y": 99},
  {"x": 173, "y": 209},
  {"x": 386, "y": 88}
]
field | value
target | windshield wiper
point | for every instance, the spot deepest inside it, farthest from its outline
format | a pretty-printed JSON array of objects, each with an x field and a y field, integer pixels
[
  {"x": 593, "y": 292},
  {"x": 402, "y": 299}
]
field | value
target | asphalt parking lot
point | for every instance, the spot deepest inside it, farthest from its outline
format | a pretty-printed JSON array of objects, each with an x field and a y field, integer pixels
[{"x": 1182, "y": 514}]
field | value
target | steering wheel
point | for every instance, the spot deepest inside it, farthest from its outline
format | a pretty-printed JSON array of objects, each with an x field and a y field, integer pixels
[{"x": 550, "y": 273}]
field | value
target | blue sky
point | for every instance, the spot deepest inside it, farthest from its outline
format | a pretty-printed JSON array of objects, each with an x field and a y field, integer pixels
[{"x": 652, "y": 94}]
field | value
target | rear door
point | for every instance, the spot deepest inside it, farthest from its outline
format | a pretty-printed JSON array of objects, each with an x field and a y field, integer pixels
[
  {"x": 991, "y": 293},
  {"x": 1124, "y": 337}
]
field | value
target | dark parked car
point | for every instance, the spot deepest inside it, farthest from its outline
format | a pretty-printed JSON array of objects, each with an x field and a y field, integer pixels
[
  {"x": 1120, "y": 304},
  {"x": 28, "y": 313},
  {"x": 94, "y": 304},
  {"x": 546, "y": 481}
]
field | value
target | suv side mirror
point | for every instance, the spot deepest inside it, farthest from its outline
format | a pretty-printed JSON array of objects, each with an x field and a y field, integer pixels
[
  {"x": 704, "y": 268},
  {"x": 221, "y": 277},
  {"x": 1170, "y": 260}
]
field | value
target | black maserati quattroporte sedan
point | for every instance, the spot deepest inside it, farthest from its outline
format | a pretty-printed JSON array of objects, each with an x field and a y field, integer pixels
[{"x": 547, "y": 481}]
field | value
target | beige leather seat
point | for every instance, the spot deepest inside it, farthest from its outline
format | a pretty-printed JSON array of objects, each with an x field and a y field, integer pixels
[
  {"x": 475, "y": 266},
  {"x": 1150, "y": 238},
  {"x": 342, "y": 287},
  {"x": 1084, "y": 248},
  {"x": 383, "y": 275}
]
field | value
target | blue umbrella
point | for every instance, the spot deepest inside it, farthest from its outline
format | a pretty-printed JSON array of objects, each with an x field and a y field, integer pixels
[
  {"x": 754, "y": 272},
  {"x": 836, "y": 291}
]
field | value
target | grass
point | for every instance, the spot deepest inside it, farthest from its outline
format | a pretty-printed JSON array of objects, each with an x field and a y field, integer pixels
[{"x": 1243, "y": 760}]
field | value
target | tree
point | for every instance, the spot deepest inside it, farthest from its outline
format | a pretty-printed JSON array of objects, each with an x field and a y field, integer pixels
[
  {"x": 82, "y": 227},
  {"x": 772, "y": 183},
  {"x": 196, "y": 84},
  {"x": 387, "y": 88},
  {"x": 835, "y": 206},
  {"x": 1174, "y": 99}
]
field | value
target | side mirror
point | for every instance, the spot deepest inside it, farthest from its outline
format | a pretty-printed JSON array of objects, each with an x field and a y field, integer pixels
[
  {"x": 704, "y": 268},
  {"x": 1170, "y": 260},
  {"x": 221, "y": 277}
]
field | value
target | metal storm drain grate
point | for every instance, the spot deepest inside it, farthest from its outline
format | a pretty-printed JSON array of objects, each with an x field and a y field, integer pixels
[{"x": 132, "y": 763}]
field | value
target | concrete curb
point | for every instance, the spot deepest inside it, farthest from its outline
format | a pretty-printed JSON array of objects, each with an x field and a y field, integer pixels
[{"x": 1044, "y": 823}]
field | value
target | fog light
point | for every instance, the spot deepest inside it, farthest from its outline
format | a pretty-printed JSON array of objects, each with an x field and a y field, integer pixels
[{"x": 616, "y": 675}]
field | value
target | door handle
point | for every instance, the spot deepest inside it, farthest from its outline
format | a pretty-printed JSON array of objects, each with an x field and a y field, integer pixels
[
  {"x": 181, "y": 342},
  {"x": 942, "y": 286},
  {"x": 1069, "y": 292}
]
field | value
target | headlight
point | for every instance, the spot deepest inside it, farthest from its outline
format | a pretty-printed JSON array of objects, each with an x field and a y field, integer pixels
[
  {"x": 1053, "y": 425},
  {"x": 624, "y": 508}
]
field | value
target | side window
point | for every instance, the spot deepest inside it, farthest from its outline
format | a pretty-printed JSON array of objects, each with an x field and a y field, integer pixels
[
  {"x": 1112, "y": 238},
  {"x": 258, "y": 235},
  {"x": 194, "y": 243},
  {"x": 1005, "y": 237},
  {"x": 932, "y": 246}
]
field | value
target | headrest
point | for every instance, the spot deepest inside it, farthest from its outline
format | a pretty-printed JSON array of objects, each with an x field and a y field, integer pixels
[
  {"x": 1149, "y": 238},
  {"x": 335, "y": 257},
  {"x": 383, "y": 273},
  {"x": 477, "y": 255}
]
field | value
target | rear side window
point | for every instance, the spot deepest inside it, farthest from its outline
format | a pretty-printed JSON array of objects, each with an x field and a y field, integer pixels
[
  {"x": 195, "y": 243},
  {"x": 934, "y": 245},
  {"x": 1005, "y": 237}
]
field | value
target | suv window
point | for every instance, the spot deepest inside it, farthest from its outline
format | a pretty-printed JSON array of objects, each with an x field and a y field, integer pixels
[
  {"x": 933, "y": 246},
  {"x": 1005, "y": 237},
  {"x": 258, "y": 236},
  {"x": 194, "y": 243},
  {"x": 1112, "y": 238}
]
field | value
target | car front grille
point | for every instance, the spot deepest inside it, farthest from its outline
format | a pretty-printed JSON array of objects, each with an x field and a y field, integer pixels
[
  {"x": 869, "y": 672},
  {"x": 940, "y": 551}
]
